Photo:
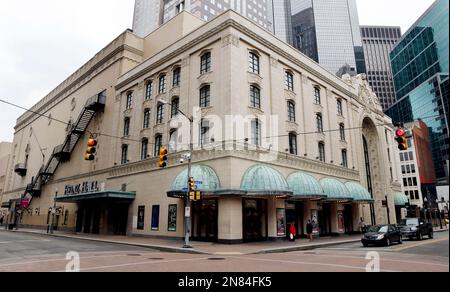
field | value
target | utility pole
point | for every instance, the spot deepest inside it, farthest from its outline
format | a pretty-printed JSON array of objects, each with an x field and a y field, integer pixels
[{"x": 53, "y": 212}]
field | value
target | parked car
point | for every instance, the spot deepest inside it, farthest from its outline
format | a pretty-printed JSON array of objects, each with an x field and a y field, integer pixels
[
  {"x": 416, "y": 228},
  {"x": 382, "y": 235}
]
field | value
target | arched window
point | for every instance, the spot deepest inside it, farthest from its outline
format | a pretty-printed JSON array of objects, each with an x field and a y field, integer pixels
[
  {"x": 317, "y": 97},
  {"x": 255, "y": 96},
  {"x": 293, "y": 144},
  {"x": 158, "y": 144},
  {"x": 319, "y": 122},
  {"x": 160, "y": 113},
  {"x": 322, "y": 152},
  {"x": 205, "y": 96},
  {"x": 253, "y": 60},
  {"x": 289, "y": 81},
  {"x": 176, "y": 77},
  {"x": 144, "y": 149},
  {"x": 146, "y": 124},
  {"x": 162, "y": 83},
  {"x": 126, "y": 127},
  {"x": 256, "y": 132},
  {"x": 291, "y": 111},
  {"x": 204, "y": 132},
  {"x": 205, "y": 63},
  {"x": 342, "y": 131},
  {"x": 175, "y": 107}
]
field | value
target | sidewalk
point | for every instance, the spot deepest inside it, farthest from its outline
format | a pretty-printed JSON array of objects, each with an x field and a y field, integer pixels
[{"x": 170, "y": 245}]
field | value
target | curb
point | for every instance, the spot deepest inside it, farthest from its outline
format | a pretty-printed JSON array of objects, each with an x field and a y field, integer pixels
[{"x": 150, "y": 246}]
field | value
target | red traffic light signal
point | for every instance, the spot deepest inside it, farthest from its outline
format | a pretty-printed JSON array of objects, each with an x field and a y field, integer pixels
[
  {"x": 401, "y": 139},
  {"x": 163, "y": 157},
  {"x": 91, "y": 150}
]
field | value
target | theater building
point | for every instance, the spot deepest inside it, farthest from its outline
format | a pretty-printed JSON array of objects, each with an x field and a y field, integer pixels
[{"x": 277, "y": 140}]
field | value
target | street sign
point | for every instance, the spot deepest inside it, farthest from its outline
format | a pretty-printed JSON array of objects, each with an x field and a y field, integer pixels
[{"x": 187, "y": 212}]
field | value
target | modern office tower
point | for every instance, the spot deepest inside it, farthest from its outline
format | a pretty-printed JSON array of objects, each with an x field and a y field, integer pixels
[
  {"x": 328, "y": 32},
  {"x": 274, "y": 15},
  {"x": 420, "y": 70},
  {"x": 378, "y": 42}
]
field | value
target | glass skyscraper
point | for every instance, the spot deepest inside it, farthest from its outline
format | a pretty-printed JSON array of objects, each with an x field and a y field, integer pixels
[
  {"x": 328, "y": 32},
  {"x": 420, "y": 70}
]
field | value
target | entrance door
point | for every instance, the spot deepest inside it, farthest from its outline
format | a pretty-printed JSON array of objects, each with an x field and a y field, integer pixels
[
  {"x": 325, "y": 220},
  {"x": 205, "y": 221},
  {"x": 255, "y": 220},
  {"x": 294, "y": 215},
  {"x": 348, "y": 219}
]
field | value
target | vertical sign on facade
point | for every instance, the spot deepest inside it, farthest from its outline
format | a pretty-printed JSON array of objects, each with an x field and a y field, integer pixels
[
  {"x": 172, "y": 224},
  {"x": 141, "y": 218}
]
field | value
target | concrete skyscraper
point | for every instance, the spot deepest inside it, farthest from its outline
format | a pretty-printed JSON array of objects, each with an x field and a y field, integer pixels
[
  {"x": 378, "y": 42},
  {"x": 328, "y": 32},
  {"x": 273, "y": 15}
]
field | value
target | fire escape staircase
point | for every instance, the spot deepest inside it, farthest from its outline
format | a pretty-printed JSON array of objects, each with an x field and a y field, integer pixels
[{"x": 62, "y": 153}]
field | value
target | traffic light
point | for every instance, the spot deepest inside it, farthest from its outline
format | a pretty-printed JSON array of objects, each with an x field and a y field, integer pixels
[
  {"x": 91, "y": 150},
  {"x": 198, "y": 196},
  {"x": 163, "y": 157},
  {"x": 191, "y": 184},
  {"x": 192, "y": 196},
  {"x": 401, "y": 139}
]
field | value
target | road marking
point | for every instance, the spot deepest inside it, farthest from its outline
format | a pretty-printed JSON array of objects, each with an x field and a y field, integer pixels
[
  {"x": 310, "y": 263},
  {"x": 419, "y": 244},
  {"x": 63, "y": 259},
  {"x": 22, "y": 241},
  {"x": 382, "y": 259},
  {"x": 138, "y": 264}
]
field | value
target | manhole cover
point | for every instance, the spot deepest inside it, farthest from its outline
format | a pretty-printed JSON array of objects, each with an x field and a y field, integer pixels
[{"x": 216, "y": 259}]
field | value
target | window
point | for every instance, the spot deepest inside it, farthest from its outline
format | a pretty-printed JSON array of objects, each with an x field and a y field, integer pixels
[
  {"x": 403, "y": 169},
  {"x": 160, "y": 113},
  {"x": 129, "y": 100},
  {"x": 255, "y": 97},
  {"x": 144, "y": 149},
  {"x": 256, "y": 132},
  {"x": 410, "y": 183},
  {"x": 289, "y": 81},
  {"x": 155, "y": 217},
  {"x": 319, "y": 121},
  {"x": 410, "y": 194},
  {"x": 162, "y": 84},
  {"x": 405, "y": 182},
  {"x": 342, "y": 131},
  {"x": 416, "y": 194},
  {"x": 124, "y": 158},
  {"x": 291, "y": 111},
  {"x": 173, "y": 141},
  {"x": 180, "y": 7},
  {"x": 344, "y": 158},
  {"x": 146, "y": 124},
  {"x": 317, "y": 98},
  {"x": 126, "y": 127},
  {"x": 149, "y": 90},
  {"x": 322, "y": 152},
  {"x": 402, "y": 158},
  {"x": 205, "y": 96},
  {"x": 158, "y": 144},
  {"x": 414, "y": 181},
  {"x": 175, "y": 107},
  {"x": 413, "y": 168},
  {"x": 205, "y": 63},
  {"x": 141, "y": 218},
  {"x": 176, "y": 77},
  {"x": 204, "y": 132},
  {"x": 293, "y": 143},
  {"x": 253, "y": 63},
  {"x": 339, "y": 108}
]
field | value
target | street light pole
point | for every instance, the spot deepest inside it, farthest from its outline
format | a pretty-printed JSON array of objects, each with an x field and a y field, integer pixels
[{"x": 188, "y": 205}]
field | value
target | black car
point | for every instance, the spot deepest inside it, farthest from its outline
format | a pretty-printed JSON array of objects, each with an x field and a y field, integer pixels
[
  {"x": 382, "y": 235},
  {"x": 416, "y": 228}
]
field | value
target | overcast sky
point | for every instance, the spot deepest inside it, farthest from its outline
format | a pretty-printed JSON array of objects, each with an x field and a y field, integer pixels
[{"x": 43, "y": 42}]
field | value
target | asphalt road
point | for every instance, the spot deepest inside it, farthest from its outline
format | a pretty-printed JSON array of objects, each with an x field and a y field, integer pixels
[{"x": 24, "y": 252}]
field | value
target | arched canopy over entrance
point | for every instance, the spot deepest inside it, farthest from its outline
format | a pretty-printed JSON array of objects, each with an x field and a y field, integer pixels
[
  {"x": 335, "y": 190},
  {"x": 305, "y": 186}
]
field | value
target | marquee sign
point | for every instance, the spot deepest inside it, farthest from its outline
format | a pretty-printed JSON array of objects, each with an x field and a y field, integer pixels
[{"x": 82, "y": 188}]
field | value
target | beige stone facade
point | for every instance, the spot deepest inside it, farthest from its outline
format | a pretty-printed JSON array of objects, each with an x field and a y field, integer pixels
[{"x": 239, "y": 204}]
